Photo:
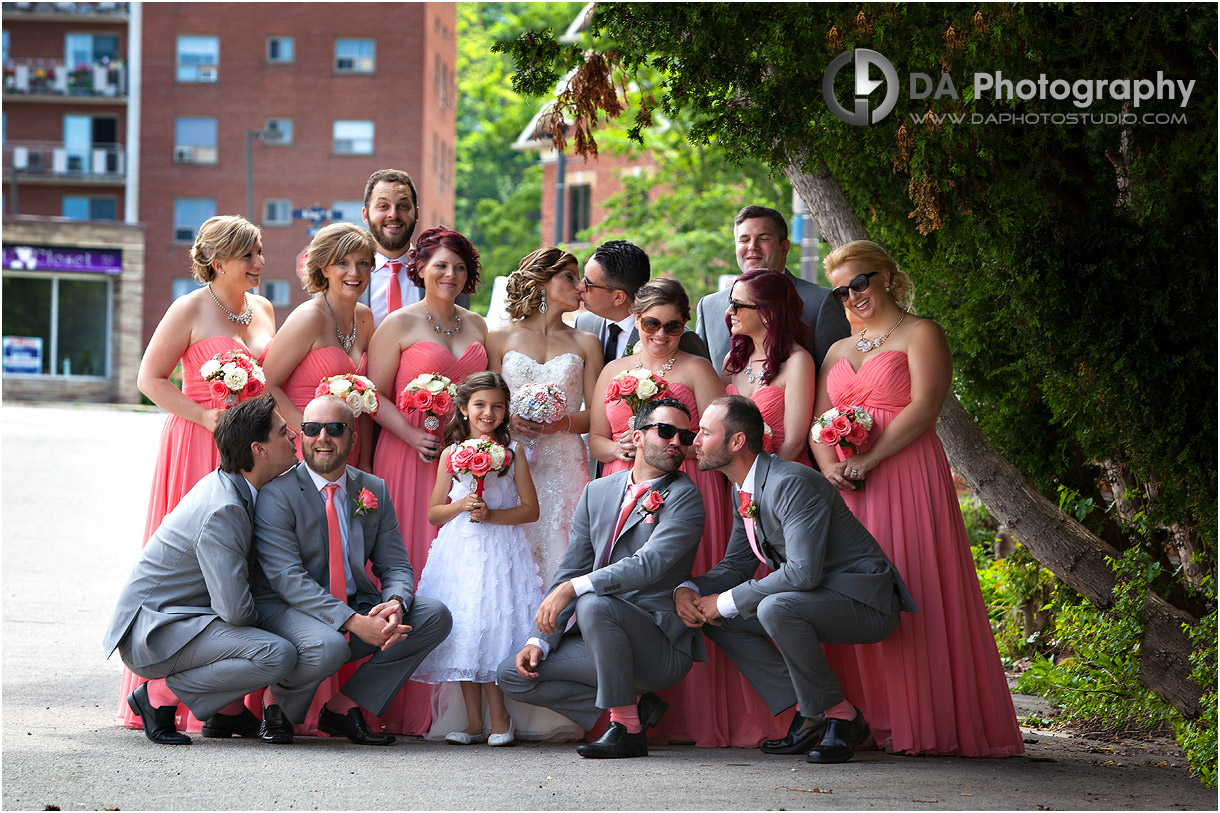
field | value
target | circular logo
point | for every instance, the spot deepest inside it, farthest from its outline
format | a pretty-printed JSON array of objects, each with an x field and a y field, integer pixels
[{"x": 859, "y": 115}]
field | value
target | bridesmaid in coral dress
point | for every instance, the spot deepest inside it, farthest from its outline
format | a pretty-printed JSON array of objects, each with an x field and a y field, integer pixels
[
  {"x": 329, "y": 334},
  {"x": 228, "y": 257},
  {"x": 434, "y": 335},
  {"x": 713, "y": 705},
  {"x": 936, "y": 686}
]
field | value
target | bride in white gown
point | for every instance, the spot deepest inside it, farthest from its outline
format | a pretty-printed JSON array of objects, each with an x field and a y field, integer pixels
[{"x": 537, "y": 347}]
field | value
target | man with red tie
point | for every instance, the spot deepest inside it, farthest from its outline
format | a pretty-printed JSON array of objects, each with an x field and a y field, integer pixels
[
  {"x": 391, "y": 210},
  {"x": 315, "y": 529},
  {"x": 607, "y": 635},
  {"x": 827, "y": 581}
]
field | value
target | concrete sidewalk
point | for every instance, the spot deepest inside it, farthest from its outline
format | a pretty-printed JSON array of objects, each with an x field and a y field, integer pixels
[{"x": 75, "y": 490}]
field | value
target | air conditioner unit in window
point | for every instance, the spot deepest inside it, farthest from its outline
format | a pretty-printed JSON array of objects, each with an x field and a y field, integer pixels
[
  {"x": 184, "y": 234},
  {"x": 206, "y": 73},
  {"x": 184, "y": 155},
  {"x": 345, "y": 63}
]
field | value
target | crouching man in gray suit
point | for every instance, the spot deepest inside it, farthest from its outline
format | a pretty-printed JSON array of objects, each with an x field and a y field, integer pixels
[
  {"x": 185, "y": 618},
  {"x": 633, "y": 541},
  {"x": 829, "y": 582},
  {"x": 315, "y": 529}
]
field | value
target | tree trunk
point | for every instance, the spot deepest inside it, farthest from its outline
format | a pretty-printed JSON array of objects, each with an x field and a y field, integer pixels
[{"x": 1058, "y": 542}]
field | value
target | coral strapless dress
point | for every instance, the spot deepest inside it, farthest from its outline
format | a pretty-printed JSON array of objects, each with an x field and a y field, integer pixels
[{"x": 324, "y": 362}]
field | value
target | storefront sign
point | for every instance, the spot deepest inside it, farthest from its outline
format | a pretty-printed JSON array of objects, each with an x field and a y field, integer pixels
[
  {"x": 22, "y": 354},
  {"x": 46, "y": 258}
]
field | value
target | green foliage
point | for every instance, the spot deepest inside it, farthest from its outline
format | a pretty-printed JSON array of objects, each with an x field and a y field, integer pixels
[{"x": 1198, "y": 738}]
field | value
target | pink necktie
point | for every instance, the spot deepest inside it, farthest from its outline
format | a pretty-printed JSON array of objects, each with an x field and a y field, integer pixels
[
  {"x": 393, "y": 291},
  {"x": 338, "y": 581},
  {"x": 745, "y": 498},
  {"x": 629, "y": 501}
]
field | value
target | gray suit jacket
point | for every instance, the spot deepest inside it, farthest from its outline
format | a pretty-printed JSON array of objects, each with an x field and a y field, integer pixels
[
  {"x": 592, "y": 323},
  {"x": 291, "y": 543},
  {"x": 820, "y": 311},
  {"x": 649, "y": 559},
  {"x": 811, "y": 539},
  {"x": 194, "y": 569}
]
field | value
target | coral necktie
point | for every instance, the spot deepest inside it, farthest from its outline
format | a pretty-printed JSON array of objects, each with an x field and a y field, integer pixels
[
  {"x": 629, "y": 501},
  {"x": 393, "y": 291},
  {"x": 338, "y": 581}
]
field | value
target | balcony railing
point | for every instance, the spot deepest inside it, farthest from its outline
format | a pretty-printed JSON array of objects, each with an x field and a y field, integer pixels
[
  {"x": 107, "y": 11},
  {"x": 49, "y": 159},
  {"x": 49, "y": 77}
]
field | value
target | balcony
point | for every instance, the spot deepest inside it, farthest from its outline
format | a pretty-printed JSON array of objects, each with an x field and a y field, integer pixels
[
  {"x": 55, "y": 162},
  {"x": 52, "y": 80},
  {"x": 77, "y": 12}
]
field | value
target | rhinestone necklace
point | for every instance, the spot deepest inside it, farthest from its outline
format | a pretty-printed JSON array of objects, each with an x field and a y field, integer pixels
[
  {"x": 751, "y": 376},
  {"x": 347, "y": 341},
  {"x": 664, "y": 368},
  {"x": 457, "y": 324},
  {"x": 864, "y": 345},
  {"x": 246, "y": 316}
]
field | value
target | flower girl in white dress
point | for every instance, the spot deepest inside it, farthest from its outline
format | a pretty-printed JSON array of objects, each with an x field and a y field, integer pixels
[{"x": 480, "y": 565}]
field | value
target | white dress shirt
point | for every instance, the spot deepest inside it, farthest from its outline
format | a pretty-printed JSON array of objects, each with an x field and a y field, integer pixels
[
  {"x": 379, "y": 283},
  {"x": 340, "y": 499}
]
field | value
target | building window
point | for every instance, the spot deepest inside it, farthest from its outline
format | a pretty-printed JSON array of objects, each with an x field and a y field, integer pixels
[
  {"x": 355, "y": 56},
  {"x": 198, "y": 58},
  {"x": 87, "y": 49},
  {"x": 58, "y": 323},
  {"x": 278, "y": 292},
  {"x": 194, "y": 141},
  {"x": 353, "y": 137},
  {"x": 183, "y": 286},
  {"x": 277, "y": 212},
  {"x": 279, "y": 49},
  {"x": 189, "y": 214},
  {"x": 350, "y": 211},
  {"x": 278, "y": 132},
  {"x": 84, "y": 208},
  {"x": 580, "y": 200}
]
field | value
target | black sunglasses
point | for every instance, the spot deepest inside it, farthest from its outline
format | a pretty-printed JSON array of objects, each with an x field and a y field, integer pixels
[
  {"x": 735, "y": 306},
  {"x": 859, "y": 284},
  {"x": 674, "y": 328},
  {"x": 667, "y": 430},
  {"x": 585, "y": 282},
  {"x": 336, "y": 429}
]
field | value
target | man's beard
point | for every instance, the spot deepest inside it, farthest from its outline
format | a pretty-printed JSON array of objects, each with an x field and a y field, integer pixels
[
  {"x": 396, "y": 245},
  {"x": 711, "y": 459}
]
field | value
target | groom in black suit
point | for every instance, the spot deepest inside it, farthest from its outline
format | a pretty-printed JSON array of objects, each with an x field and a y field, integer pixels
[{"x": 828, "y": 582}]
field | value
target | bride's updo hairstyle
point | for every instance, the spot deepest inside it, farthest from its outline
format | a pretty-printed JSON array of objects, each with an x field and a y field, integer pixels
[
  {"x": 222, "y": 237},
  {"x": 432, "y": 241},
  {"x": 874, "y": 258},
  {"x": 662, "y": 291},
  {"x": 459, "y": 425},
  {"x": 524, "y": 290}
]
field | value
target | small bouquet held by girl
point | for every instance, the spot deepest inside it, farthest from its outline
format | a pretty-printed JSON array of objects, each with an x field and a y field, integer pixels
[
  {"x": 355, "y": 390},
  {"x": 846, "y": 427},
  {"x": 480, "y": 564},
  {"x": 541, "y": 403},
  {"x": 429, "y": 393},
  {"x": 234, "y": 377},
  {"x": 635, "y": 387}
]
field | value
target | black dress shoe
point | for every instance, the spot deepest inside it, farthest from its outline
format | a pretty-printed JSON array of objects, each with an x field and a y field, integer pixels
[
  {"x": 351, "y": 725},
  {"x": 803, "y": 734},
  {"x": 651, "y": 708},
  {"x": 841, "y": 740},
  {"x": 616, "y": 743},
  {"x": 276, "y": 728},
  {"x": 223, "y": 726},
  {"x": 158, "y": 722}
]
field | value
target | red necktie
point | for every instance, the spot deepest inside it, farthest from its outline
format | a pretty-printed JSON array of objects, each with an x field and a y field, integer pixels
[
  {"x": 745, "y": 498},
  {"x": 338, "y": 581},
  {"x": 629, "y": 501},
  {"x": 393, "y": 291}
]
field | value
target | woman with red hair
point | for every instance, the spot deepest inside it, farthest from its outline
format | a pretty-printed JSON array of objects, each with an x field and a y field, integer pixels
[{"x": 767, "y": 362}]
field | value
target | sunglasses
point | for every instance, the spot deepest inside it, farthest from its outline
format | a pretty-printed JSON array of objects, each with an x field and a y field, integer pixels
[
  {"x": 674, "y": 328},
  {"x": 585, "y": 282},
  {"x": 735, "y": 306},
  {"x": 859, "y": 284},
  {"x": 667, "y": 430},
  {"x": 336, "y": 429}
]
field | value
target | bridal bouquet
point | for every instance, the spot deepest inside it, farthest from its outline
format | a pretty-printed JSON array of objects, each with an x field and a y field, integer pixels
[
  {"x": 356, "y": 390},
  {"x": 431, "y": 394},
  {"x": 634, "y": 387},
  {"x": 541, "y": 403},
  {"x": 846, "y": 427},
  {"x": 478, "y": 457},
  {"x": 234, "y": 377}
]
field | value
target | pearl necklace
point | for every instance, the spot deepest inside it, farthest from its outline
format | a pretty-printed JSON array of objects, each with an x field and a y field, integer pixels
[
  {"x": 664, "y": 368},
  {"x": 246, "y": 316},
  {"x": 864, "y": 345},
  {"x": 457, "y": 324},
  {"x": 347, "y": 341},
  {"x": 750, "y": 374}
]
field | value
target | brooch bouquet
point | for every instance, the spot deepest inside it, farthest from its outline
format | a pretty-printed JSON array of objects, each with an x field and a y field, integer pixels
[
  {"x": 356, "y": 390},
  {"x": 234, "y": 377},
  {"x": 541, "y": 403},
  {"x": 846, "y": 427},
  {"x": 431, "y": 394}
]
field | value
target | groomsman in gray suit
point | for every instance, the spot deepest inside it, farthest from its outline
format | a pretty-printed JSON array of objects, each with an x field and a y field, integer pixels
[
  {"x": 761, "y": 235},
  {"x": 828, "y": 581},
  {"x": 185, "y": 619},
  {"x": 607, "y": 630},
  {"x": 315, "y": 529}
]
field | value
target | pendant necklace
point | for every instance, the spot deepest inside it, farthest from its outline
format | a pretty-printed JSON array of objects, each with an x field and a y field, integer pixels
[
  {"x": 457, "y": 324},
  {"x": 347, "y": 341},
  {"x": 864, "y": 345},
  {"x": 751, "y": 376},
  {"x": 246, "y": 316},
  {"x": 661, "y": 372}
]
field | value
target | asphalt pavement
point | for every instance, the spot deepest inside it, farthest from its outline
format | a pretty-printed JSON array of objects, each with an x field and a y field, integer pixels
[{"x": 75, "y": 490}]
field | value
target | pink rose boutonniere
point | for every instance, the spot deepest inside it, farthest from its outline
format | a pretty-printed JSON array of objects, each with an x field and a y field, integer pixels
[
  {"x": 651, "y": 504},
  {"x": 366, "y": 502},
  {"x": 749, "y": 510}
]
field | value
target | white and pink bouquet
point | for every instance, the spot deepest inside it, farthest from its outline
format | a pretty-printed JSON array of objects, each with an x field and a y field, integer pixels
[
  {"x": 541, "y": 403},
  {"x": 431, "y": 394},
  {"x": 634, "y": 388},
  {"x": 234, "y": 377},
  {"x": 478, "y": 457},
  {"x": 846, "y": 427},
  {"x": 356, "y": 390}
]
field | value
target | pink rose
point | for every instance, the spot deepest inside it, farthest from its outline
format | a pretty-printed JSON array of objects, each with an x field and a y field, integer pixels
[
  {"x": 219, "y": 390},
  {"x": 841, "y": 425},
  {"x": 253, "y": 388},
  {"x": 225, "y": 357},
  {"x": 828, "y": 436},
  {"x": 461, "y": 458},
  {"x": 508, "y": 459},
  {"x": 480, "y": 464},
  {"x": 662, "y": 384},
  {"x": 769, "y": 443},
  {"x": 244, "y": 363},
  {"x": 368, "y": 500},
  {"x": 627, "y": 385},
  {"x": 421, "y": 399},
  {"x": 404, "y": 400},
  {"x": 358, "y": 385},
  {"x": 323, "y": 389},
  {"x": 653, "y": 501},
  {"x": 442, "y": 404},
  {"x": 611, "y": 393},
  {"x": 857, "y": 434}
]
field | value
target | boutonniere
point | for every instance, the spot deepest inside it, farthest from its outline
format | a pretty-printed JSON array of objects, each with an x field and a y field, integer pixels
[
  {"x": 366, "y": 502},
  {"x": 652, "y": 502},
  {"x": 750, "y": 510},
  {"x": 630, "y": 351}
]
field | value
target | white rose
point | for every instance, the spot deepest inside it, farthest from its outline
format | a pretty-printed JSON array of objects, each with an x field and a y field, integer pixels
[
  {"x": 353, "y": 400},
  {"x": 236, "y": 379},
  {"x": 641, "y": 373},
  {"x": 418, "y": 381},
  {"x": 369, "y": 401},
  {"x": 210, "y": 368},
  {"x": 497, "y": 456},
  {"x": 646, "y": 388},
  {"x": 258, "y": 375}
]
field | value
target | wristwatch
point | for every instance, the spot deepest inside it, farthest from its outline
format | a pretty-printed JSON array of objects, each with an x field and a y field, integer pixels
[{"x": 401, "y": 603}]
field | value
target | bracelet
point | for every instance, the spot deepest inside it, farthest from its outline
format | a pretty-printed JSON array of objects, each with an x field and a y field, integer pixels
[{"x": 569, "y": 429}]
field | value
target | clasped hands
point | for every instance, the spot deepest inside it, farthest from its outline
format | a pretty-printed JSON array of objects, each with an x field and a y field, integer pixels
[
  {"x": 382, "y": 627},
  {"x": 846, "y": 473},
  {"x": 696, "y": 610}
]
